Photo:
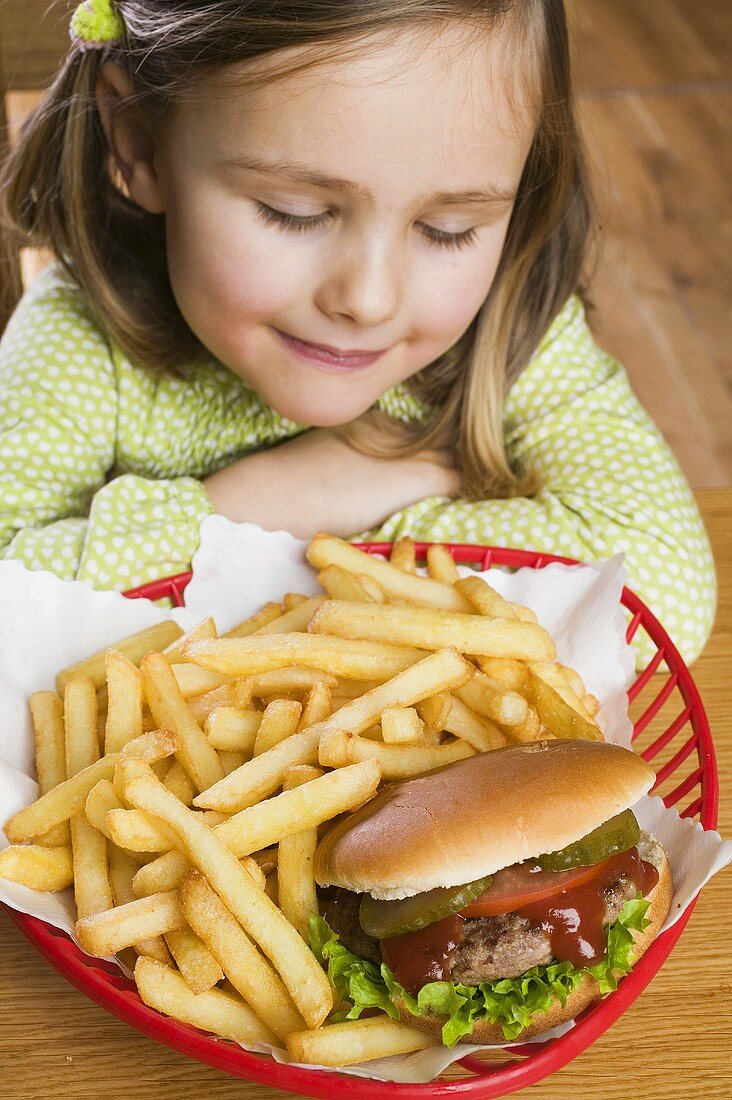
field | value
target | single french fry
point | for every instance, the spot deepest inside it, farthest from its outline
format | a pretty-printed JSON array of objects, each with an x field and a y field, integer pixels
[
  {"x": 372, "y": 588},
  {"x": 295, "y": 620},
  {"x": 194, "y": 960},
  {"x": 356, "y": 1041},
  {"x": 403, "y": 555},
  {"x": 435, "y": 710},
  {"x": 559, "y": 716},
  {"x": 124, "y": 701},
  {"x": 192, "y": 680},
  {"x": 247, "y": 970},
  {"x": 485, "y": 599},
  {"x": 296, "y": 893},
  {"x": 37, "y": 866},
  {"x": 121, "y": 873},
  {"x": 352, "y": 689},
  {"x": 293, "y": 599},
  {"x": 205, "y": 629},
  {"x": 508, "y": 671},
  {"x": 106, "y": 933},
  {"x": 280, "y": 681},
  {"x": 299, "y": 969},
  {"x": 339, "y": 749},
  {"x": 101, "y": 799},
  {"x": 80, "y": 724},
  {"x": 178, "y": 782},
  {"x": 591, "y": 704},
  {"x": 200, "y": 706},
  {"x": 319, "y": 706},
  {"x": 479, "y": 732},
  {"x": 261, "y": 776},
  {"x": 355, "y": 660},
  {"x": 92, "y": 892},
  {"x": 133, "y": 647},
  {"x": 47, "y": 714},
  {"x": 68, "y": 798},
  {"x": 441, "y": 565},
  {"x": 341, "y": 585},
  {"x": 259, "y": 826},
  {"x": 268, "y": 614},
  {"x": 494, "y": 700},
  {"x": 215, "y": 1010},
  {"x": 531, "y": 729},
  {"x": 557, "y": 678},
  {"x": 169, "y": 709},
  {"x": 431, "y": 629},
  {"x": 402, "y": 725},
  {"x": 232, "y": 729},
  {"x": 230, "y": 761},
  {"x": 279, "y": 721}
]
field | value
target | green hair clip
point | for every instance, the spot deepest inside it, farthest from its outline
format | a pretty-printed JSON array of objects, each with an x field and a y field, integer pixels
[{"x": 96, "y": 23}]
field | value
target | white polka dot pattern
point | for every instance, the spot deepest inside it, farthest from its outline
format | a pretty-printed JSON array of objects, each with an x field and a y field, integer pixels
[{"x": 100, "y": 461}]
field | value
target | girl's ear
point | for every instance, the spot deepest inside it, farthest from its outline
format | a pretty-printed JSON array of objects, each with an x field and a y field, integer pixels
[{"x": 129, "y": 137}]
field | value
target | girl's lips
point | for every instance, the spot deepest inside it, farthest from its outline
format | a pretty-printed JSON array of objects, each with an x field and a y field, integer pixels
[{"x": 315, "y": 354}]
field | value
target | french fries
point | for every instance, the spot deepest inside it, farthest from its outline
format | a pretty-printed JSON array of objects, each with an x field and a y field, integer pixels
[
  {"x": 215, "y": 1010},
  {"x": 432, "y": 629},
  {"x": 277, "y": 938},
  {"x": 184, "y": 779}
]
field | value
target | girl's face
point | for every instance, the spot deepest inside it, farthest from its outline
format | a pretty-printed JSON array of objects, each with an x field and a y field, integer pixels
[{"x": 362, "y": 206}]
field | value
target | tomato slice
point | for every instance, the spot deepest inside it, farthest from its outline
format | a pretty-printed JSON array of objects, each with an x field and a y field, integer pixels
[{"x": 517, "y": 886}]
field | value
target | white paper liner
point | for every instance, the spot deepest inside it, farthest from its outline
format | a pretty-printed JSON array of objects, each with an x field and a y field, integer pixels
[{"x": 47, "y": 624}]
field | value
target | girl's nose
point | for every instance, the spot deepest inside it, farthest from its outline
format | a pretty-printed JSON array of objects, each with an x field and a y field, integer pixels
[{"x": 364, "y": 284}]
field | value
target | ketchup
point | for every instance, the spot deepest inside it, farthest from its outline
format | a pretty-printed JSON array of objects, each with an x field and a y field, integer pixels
[
  {"x": 417, "y": 958},
  {"x": 571, "y": 918}
]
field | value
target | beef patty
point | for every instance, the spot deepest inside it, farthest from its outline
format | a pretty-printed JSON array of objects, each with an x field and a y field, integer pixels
[{"x": 490, "y": 948}]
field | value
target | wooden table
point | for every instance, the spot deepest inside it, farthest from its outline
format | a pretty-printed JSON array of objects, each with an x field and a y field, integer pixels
[{"x": 673, "y": 1043}]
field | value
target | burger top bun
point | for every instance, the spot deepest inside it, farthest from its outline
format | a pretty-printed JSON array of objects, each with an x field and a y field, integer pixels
[{"x": 471, "y": 818}]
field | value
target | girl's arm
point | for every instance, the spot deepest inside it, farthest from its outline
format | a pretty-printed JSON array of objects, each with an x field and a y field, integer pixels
[
  {"x": 317, "y": 482},
  {"x": 610, "y": 484},
  {"x": 59, "y": 438}
]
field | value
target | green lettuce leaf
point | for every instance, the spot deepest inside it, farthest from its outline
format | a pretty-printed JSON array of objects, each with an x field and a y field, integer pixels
[{"x": 511, "y": 1002}]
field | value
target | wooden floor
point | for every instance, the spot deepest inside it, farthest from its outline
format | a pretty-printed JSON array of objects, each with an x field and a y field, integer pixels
[{"x": 655, "y": 84}]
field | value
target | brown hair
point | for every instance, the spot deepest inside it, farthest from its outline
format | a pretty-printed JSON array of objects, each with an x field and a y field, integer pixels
[{"x": 60, "y": 188}]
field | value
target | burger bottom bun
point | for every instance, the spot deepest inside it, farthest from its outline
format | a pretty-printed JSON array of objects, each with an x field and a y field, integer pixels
[{"x": 587, "y": 992}]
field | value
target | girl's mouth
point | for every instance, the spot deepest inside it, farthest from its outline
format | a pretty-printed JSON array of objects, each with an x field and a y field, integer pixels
[{"x": 313, "y": 353}]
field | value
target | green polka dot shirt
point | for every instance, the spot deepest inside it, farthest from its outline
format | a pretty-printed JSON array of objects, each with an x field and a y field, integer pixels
[{"x": 101, "y": 462}]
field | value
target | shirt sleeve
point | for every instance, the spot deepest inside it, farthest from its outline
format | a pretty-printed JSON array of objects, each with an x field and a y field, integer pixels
[
  {"x": 59, "y": 510},
  {"x": 609, "y": 483}
]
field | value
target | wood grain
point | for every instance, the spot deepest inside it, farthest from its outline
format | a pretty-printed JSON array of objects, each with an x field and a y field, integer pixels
[{"x": 673, "y": 1042}]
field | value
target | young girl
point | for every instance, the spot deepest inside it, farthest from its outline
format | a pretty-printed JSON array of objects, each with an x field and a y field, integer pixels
[{"x": 318, "y": 267}]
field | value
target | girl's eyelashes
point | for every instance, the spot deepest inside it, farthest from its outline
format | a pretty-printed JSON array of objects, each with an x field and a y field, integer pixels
[{"x": 302, "y": 224}]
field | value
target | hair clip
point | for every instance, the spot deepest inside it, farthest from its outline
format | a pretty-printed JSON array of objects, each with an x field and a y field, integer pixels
[{"x": 96, "y": 23}]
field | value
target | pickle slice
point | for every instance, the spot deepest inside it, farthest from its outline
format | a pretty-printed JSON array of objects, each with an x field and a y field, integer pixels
[
  {"x": 382, "y": 919},
  {"x": 612, "y": 837}
]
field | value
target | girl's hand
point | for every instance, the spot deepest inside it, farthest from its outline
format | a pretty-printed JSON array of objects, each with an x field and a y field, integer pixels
[{"x": 318, "y": 482}]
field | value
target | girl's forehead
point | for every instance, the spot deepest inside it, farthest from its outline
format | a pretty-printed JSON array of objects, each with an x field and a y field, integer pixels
[{"x": 414, "y": 99}]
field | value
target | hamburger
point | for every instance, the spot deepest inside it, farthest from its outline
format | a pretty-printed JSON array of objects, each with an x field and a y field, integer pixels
[{"x": 496, "y": 897}]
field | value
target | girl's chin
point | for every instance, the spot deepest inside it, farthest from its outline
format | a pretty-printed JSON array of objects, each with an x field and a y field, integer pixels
[{"x": 317, "y": 414}]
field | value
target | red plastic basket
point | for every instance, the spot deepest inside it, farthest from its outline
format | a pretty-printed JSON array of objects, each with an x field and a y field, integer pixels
[{"x": 670, "y": 729}]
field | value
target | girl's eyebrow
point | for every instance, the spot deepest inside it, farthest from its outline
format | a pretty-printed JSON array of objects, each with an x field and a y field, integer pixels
[{"x": 301, "y": 173}]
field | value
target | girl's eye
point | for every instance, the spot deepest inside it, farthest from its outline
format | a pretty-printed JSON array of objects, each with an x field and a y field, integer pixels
[{"x": 301, "y": 224}]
